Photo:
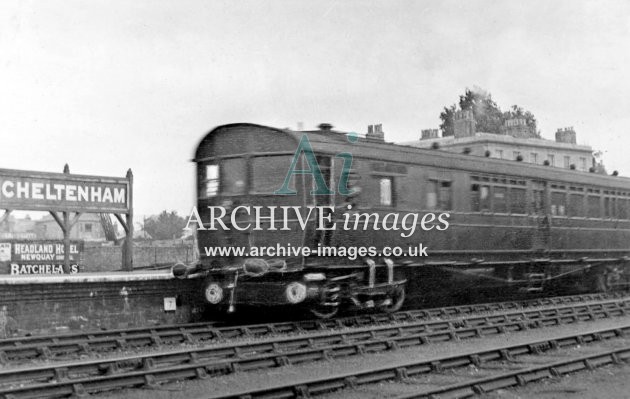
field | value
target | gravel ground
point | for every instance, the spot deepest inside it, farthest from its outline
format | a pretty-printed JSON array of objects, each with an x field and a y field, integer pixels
[
  {"x": 538, "y": 389},
  {"x": 609, "y": 382},
  {"x": 241, "y": 381}
]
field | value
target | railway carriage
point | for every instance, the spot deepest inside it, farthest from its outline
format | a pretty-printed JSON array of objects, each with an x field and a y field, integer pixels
[{"x": 510, "y": 224}]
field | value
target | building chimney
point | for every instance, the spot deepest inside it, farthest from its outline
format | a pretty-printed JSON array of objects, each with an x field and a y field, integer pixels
[
  {"x": 517, "y": 127},
  {"x": 375, "y": 132},
  {"x": 566, "y": 135},
  {"x": 325, "y": 127},
  {"x": 427, "y": 134},
  {"x": 464, "y": 123}
]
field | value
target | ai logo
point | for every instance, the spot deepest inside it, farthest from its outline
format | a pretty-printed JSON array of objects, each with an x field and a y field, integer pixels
[
  {"x": 321, "y": 188},
  {"x": 5, "y": 252}
]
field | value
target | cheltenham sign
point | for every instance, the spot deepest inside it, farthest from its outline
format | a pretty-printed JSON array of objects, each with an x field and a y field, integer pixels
[
  {"x": 61, "y": 194},
  {"x": 39, "y": 191}
]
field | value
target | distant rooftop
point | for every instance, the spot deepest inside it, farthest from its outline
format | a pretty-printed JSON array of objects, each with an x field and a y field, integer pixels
[{"x": 495, "y": 138}]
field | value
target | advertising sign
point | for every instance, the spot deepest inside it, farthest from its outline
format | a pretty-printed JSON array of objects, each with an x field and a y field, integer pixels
[{"x": 38, "y": 257}]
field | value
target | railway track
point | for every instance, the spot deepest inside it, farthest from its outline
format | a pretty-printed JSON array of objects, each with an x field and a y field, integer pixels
[
  {"x": 77, "y": 378},
  {"x": 463, "y": 384},
  {"x": 50, "y": 347}
]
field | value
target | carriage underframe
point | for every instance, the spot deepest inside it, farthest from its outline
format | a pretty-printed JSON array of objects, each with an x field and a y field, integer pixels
[{"x": 324, "y": 290}]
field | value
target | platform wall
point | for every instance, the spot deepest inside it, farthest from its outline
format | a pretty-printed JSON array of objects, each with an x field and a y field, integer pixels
[{"x": 64, "y": 306}]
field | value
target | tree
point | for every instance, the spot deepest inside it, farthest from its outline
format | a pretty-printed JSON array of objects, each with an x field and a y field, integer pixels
[
  {"x": 165, "y": 226},
  {"x": 488, "y": 116},
  {"x": 447, "y": 121}
]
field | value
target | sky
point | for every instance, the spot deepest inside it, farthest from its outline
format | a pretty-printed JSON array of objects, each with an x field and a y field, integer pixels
[{"x": 108, "y": 85}]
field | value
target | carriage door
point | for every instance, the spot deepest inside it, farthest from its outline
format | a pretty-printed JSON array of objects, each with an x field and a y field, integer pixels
[
  {"x": 542, "y": 220},
  {"x": 324, "y": 237}
]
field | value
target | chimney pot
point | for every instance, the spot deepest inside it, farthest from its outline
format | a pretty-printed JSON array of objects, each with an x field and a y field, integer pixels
[{"x": 375, "y": 132}]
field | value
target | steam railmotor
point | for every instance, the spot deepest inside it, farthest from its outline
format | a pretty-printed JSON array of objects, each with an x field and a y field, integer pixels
[{"x": 507, "y": 223}]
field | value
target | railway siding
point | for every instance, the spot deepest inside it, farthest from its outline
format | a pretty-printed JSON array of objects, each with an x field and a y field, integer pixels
[{"x": 150, "y": 369}]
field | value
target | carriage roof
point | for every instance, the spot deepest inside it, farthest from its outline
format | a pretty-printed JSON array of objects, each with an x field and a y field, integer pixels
[{"x": 333, "y": 142}]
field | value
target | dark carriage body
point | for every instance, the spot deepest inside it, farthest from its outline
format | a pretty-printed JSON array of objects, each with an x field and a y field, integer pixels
[{"x": 509, "y": 223}]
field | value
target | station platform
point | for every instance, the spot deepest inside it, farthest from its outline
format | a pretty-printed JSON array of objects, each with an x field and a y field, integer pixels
[
  {"x": 102, "y": 300},
  {"x": 78, "y": 278}
]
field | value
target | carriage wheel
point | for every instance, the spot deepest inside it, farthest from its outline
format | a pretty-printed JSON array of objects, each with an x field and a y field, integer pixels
[
  {"x": 397, "y": 298},
  {"x": 330, "y": 296}
]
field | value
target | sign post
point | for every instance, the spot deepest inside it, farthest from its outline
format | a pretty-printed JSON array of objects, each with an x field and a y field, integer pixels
[{"x": 66, "y": 193}]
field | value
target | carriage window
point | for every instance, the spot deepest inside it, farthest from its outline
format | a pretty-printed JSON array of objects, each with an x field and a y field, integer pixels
[
  {"x": 518, "y": 202},
  {"x": 233, "y": 176},
  {"x": 610, "y": 207},
  {"x": 432, "y": 194},
  {"x": 439, "y": 195},
  {"x": 386, "y": 191},
  {"x": 575, "y": 205},
  {"x": 558, "y": 201},
  {"x": 484, "y": 198},
  {"x": 475, "y": 200},
  {"x": 444, "y": 200},
  {"x": 622, "y": 208},
  {"x": 500, "y": 199},
  {"x": 538, "y": 201},
  {"x": 480, "y": 197},
  {"x": 268, "y": 174},
  {"x": 594, "y": 210},
  {"x": 210, "y": 181}
]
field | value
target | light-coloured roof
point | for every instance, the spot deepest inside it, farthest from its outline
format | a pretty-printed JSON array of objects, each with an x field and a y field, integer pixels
[{"x": 497, "y": 138}]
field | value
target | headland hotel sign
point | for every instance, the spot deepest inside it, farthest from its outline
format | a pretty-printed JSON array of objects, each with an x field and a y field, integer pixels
[
  {"x": 38, "y": 257},
  {"x": 26, "y": 190}
]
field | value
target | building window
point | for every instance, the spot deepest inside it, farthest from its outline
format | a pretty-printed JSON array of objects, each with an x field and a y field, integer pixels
[
  {"x": 515, "y": 154},
  {"x": 386, "y": 191},
  {"x": 87, "y": 227},
  {"x": 583, "y": 164},
  {"x": 552, "y": 159},
  {"x": 500, "y": 154},
  {"x": 533, "y": 157},
  {"x": 567, "y": 162}
]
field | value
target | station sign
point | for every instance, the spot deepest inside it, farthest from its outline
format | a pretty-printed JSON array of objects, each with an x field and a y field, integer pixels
[
  {"x": 41, "y": 191},
  {"x": 38, "y": 257}
]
